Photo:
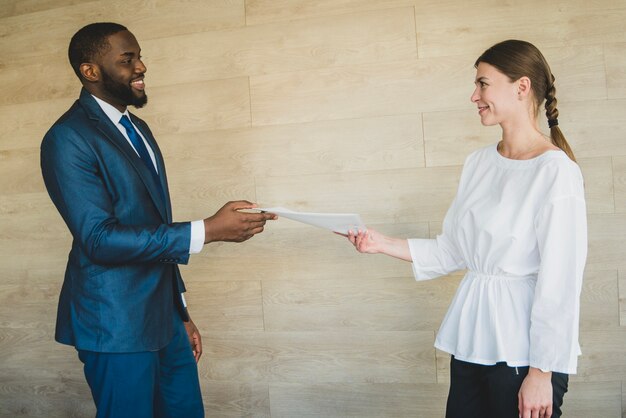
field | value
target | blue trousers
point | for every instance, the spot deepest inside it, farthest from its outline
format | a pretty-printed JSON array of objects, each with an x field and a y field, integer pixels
[{"x": 153, "y": 384}]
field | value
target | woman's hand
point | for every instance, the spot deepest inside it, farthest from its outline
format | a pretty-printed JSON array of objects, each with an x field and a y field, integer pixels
[
  {"x": 368, "y": 241},
  {"x": 372, "y": 242},
  {"x": 535, "y": 395}
]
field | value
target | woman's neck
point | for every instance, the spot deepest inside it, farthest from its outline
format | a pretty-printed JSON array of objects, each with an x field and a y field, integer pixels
[{"x": 523, "y": 141}]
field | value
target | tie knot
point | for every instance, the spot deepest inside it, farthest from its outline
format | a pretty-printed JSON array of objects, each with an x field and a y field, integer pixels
[{"x": 125, "y": 121}]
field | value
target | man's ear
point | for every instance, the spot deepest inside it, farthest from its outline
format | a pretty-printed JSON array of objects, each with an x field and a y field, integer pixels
[
  {"x": 523, "y": 87},
  {"x": 90, "y": 72}
]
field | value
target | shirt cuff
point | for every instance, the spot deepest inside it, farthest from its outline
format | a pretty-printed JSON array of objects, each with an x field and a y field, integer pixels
[{"x": 197, "y": 237}]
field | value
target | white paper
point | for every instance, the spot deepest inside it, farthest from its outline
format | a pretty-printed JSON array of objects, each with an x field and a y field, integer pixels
[{"x": 337, "y": 222}]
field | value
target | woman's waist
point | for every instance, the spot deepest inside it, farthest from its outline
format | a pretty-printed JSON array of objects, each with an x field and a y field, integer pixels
[{"x": 500, "y": 276}]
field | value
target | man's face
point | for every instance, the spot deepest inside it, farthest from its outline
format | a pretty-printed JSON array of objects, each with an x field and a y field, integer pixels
[{"x": 122, "y": 72}]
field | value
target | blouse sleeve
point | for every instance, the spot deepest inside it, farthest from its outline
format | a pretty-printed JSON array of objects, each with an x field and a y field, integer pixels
[
  {"x": 436, "y": 257},
  {"x": 561, "y": 228}
]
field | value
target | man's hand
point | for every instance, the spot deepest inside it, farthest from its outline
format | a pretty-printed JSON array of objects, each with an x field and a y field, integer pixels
[
  {"x": 229, "y": 224},
  {"x": 194, "y": 339}
]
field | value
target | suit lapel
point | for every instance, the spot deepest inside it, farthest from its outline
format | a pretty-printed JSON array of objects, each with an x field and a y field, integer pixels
[
  {"x": 145, "y": 131},
  {"x": 112, "y": 134}
]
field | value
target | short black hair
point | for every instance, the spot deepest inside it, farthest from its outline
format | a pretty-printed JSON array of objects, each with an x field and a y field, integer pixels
[{"x": 91, "y": 41}]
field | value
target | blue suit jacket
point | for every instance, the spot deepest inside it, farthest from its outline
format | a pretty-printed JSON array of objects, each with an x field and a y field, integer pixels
[{"x": 122, "y": 283}]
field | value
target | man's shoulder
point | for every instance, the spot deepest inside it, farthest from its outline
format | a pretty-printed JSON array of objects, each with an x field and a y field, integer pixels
[{"x": 70, "y": 124}]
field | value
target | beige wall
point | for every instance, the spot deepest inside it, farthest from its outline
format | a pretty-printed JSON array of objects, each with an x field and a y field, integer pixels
[{"x": 330, "y": 105}]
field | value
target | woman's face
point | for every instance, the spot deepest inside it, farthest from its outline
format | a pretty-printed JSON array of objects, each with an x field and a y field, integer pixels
[{"x": 496, "y": 96}]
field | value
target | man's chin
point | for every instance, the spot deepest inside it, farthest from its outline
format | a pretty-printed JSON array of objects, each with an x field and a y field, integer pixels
[{"x": 140, "y": 102}]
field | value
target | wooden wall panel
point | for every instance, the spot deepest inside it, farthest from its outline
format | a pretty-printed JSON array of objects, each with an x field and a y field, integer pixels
[
  {"x": 615, "y": 69},
  {"x": 409, "y": 195},
  {"x": 347, "y": 145},
  {"x": 368, "y": 400},
  {"x": 585, "y": 400},
  {"x": 232, "y": 399},
  {"x": 361, "y": 91},
  {"x": 21, "y": 7},
  {"x": 606, "y": 240},
  {"x": 265, "y": 11},
  {"x": 386, "y": 35},
  {"x": 227, "y": 306},
  {"x": 594, "y": 128},
  {"x": 603, "y": 358},
  {"x": 598, "y": 177},
  {"x": 21, "y": 130},
  {"x": 558, "y": 23},
  {"x": 319, "y": 357},
  {"x": 147, "y": 18},
  {"x": 190, "y": 107},
  {"x": 20, "y": 171},
  {"x": 622, "y": 297},
  {"x": 396, "y": 304},
  {"x": 619, "y": 180},
  {"x": 330, "y": 105}
]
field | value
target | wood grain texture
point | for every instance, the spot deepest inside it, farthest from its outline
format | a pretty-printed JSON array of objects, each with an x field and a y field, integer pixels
[
  {"x": 619, "y": 181},
  {"x": 20, "y": 130},
  {"x": 319, "y": 357},
  {"x": 362, "y": 91},
  {"x": 409, "y": 195},
  {"x": 615, "y": 69},
  {"x": 356, "y": 38},
  {"x": 369, "y": 400},
  {"x": 191, "y": 107},
  {"x": 559, "y": 24},
  {"x": 227, "y": 306},
  {"x": 21, "y": 7},
  {"x": 599, "y": 304},
  {"x": 300, "y": 149},
  {"x": 606, "y": 244},
  {"x": 20, "y": 171},
  {"x": 21, "y": 396},
  {"x": 593, "y": 399},
  {"x": 234, "y": 400},
  {"x": 396, "y": 304},
  {"x": 265, "y": 11},
  {"x": 150, "y": 19},
  {"x": 594, "y": 128},
  {"x": 622, "y": 297},
  {"x": 598, "y": 180},
  {"x": 603, "y": 357}
]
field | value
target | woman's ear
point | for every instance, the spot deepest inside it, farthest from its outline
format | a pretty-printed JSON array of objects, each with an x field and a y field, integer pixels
[
  {"x": 523, "y": 87},
  {"x": 90, "y": 72}
]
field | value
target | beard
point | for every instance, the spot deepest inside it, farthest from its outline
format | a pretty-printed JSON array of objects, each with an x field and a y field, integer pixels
[{"x": 122, "y": 92}]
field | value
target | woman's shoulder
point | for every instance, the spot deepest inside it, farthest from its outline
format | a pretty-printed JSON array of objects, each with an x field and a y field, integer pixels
[{"x": 560, "y": 173}]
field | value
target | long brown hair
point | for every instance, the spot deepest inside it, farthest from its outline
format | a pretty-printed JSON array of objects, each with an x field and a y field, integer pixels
[{"x": 517, "y": 59}]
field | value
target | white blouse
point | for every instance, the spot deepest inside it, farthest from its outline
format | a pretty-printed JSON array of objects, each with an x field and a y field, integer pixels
[{"x": 519, "y": 227}]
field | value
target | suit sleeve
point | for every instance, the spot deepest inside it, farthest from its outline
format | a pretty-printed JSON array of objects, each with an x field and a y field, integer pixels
[{"x": 71, "y": 172}]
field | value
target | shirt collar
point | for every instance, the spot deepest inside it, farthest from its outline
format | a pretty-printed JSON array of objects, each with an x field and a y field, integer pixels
[{"x": 110, "y": 110}]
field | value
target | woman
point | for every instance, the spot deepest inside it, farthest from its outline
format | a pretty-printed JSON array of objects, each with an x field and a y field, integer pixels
[{"x": 518, "y": 225}]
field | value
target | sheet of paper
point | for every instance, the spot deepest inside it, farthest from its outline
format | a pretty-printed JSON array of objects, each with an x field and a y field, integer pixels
[{"x": 338, "y": 222}]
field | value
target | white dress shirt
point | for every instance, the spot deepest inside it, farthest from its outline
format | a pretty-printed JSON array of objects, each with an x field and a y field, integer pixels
[
  {"x": 519, "y": 227},
  {"x": 197, "y": 227}
]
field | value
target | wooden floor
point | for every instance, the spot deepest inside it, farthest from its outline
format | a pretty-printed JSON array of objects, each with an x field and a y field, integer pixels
[{"x": 331, "y": 106}]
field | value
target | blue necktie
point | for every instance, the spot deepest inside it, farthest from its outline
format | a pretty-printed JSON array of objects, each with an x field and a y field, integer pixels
[{"x": 141, "y": 150}]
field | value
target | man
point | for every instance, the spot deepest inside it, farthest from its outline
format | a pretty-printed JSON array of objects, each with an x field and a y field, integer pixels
[{"x": 121, "y": 303}]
